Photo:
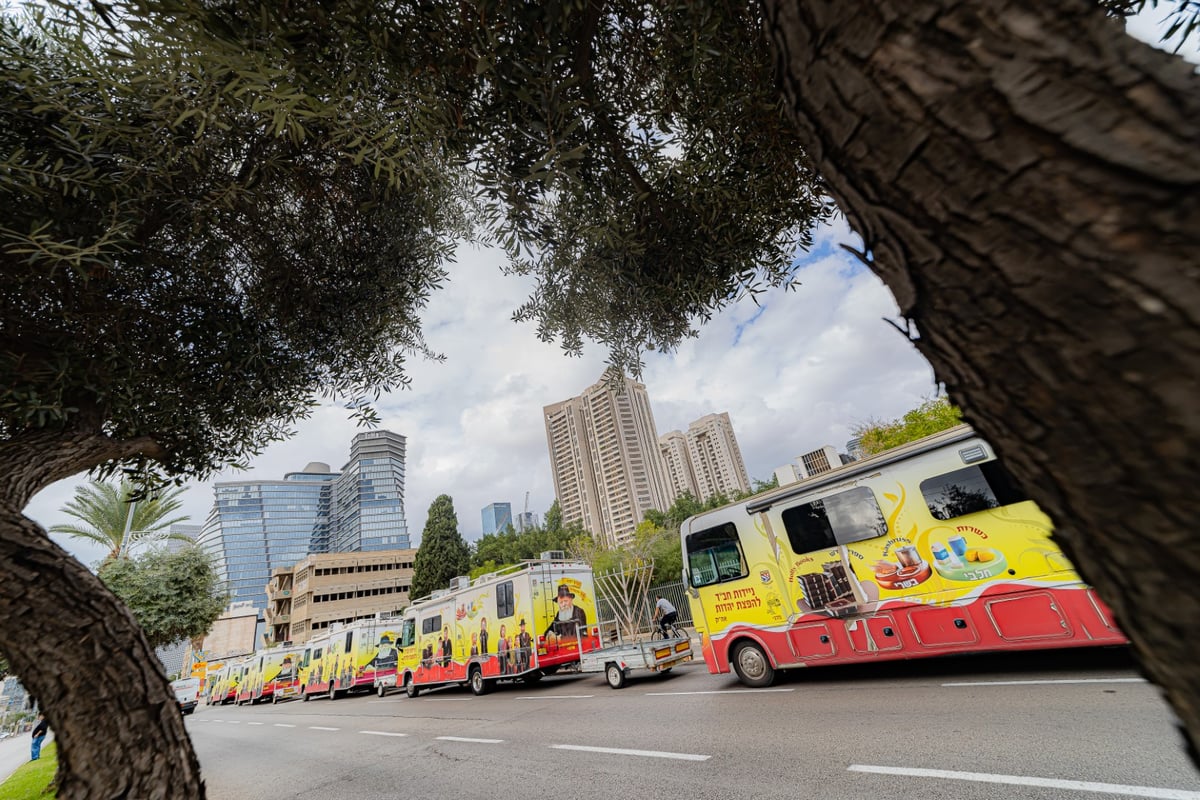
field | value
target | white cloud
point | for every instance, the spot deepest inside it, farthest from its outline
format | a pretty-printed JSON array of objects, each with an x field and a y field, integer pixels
[{"x": 794, "y": 374}]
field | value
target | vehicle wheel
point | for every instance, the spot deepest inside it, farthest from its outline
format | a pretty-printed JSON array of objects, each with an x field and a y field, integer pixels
[
  {"x": 614, "y": 675},
  {"x": 381, "y": 690},
  {"x": 533, "y": 677},
  {"x": 752, "y": 666},
  {"x": 479, "y": 686},
  {"x": 666, "y": 671},
  {"x": 410, "y": 687}
]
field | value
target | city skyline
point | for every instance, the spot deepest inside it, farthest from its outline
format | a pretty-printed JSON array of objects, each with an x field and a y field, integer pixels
[{"x": 799, "y": 367}]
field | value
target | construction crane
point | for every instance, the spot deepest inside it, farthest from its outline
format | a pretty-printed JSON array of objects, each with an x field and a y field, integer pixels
[{"x": 525, "y": 513}]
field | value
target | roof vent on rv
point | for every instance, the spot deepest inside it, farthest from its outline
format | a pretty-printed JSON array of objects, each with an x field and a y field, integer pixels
[
  {"x": 459, "y": 582},
  {"x": 436, "y": 593},
  {"x": 554, "y": 555}
]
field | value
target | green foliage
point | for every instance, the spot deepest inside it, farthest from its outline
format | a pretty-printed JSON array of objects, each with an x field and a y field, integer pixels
[
  {"x": 443, "y": 554},
  {"x": 1181, "y": 16},
  {"x": 173, "y": 596},
  {"x": 3, "y": 666},
  {"x": 33, "y": 780},
  {"x": 193, "y": 251},
  {"x": 503, "y": 548},
  {"x": 104, "y": 509},
  {"x": 926, "y": 419}
]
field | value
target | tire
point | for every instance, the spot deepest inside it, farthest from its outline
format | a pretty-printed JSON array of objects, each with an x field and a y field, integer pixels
[
  {"x": 614, "y": 675},
  {"x": 479, "y": 685},
  {"x": 752, "y": 666},
  {"x": 381, "y": 690},
  {"x": 410, "y": 686}
]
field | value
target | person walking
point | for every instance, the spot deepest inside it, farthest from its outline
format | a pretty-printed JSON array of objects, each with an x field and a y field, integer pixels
[{"x": 39, "y": 736}]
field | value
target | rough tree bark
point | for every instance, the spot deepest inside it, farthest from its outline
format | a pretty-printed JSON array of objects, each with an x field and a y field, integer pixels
[
  {"x": 77, "y": 649},
  {"x": 1026, "y": 179}
]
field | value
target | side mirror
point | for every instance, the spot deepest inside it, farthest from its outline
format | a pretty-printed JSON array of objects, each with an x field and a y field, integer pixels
[{"x": 687, "y": 585}]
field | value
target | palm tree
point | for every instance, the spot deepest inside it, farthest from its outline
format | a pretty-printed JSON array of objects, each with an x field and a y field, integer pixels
[{"x": 115, "y": 521}]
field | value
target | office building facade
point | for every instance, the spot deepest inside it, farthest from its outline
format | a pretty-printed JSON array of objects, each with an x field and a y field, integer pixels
[
  {"x": 256, "y": 527},
  {"x": 605, "y": 458},
  {"x": 496, "y": 517}
]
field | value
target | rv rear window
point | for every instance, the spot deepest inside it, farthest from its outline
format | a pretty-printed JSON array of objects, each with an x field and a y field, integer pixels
[
  {"x": 715, "y": 556},
  {"x": 505, "y": 606},
  {"x": 431, "y": 624},
  {"x": 409, "y": 633},
  {"x": 842, "y": 518},
  {"x": 969, "y": 490}
]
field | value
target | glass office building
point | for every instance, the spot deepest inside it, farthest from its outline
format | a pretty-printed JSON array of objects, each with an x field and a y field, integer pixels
[
  {"x": 496, "y": 517},
  {"x": 369, "y": 496},
  {"x": 256, "y": 526}
]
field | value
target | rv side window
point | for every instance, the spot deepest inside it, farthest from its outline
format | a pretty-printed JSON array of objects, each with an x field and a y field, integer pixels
[
  {"x": 304, "y": 661},
  {"x": 349, "y": 640},
  {"x": 431, "y": 624},
  {"x": 841, "y": 518},
  {"x": 317, "y": 654},
  {"x": 971, "y": 489},
  {"x": 505, "y": 607},
  {"x": 408, "y": 634},
  {"x": 715, "y": 555}
]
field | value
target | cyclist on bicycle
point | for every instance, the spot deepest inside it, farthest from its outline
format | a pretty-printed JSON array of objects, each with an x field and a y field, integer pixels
[{"x": 665, "y": 613}]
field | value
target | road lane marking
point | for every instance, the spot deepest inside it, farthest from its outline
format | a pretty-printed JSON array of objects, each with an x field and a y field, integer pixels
[
  {"x": 322, "y": 728},
  {"x": 466, "y": 739},
  {"x": 233, "y": 722},
  {"x": 255, "y": 723},
  {"x": 556, "y": 697},
  {"x": 1045, "y": 682},
  {"x": 383, "y": 733},
  {"x": 1023, "y": 780},
  {"x": 283, "y": 725},
  {"x": 622, "y": 752},
  {"x": 720, "y": 691}
]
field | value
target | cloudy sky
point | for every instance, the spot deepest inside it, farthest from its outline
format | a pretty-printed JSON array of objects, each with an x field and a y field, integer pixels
[{"x": 798, "y": 371}]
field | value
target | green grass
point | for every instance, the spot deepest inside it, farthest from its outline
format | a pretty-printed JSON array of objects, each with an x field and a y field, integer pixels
[{"x": 32, "y": 781}]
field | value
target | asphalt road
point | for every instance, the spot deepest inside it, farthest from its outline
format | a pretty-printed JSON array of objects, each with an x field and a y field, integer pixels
[{"x": 1040, "y": 726}]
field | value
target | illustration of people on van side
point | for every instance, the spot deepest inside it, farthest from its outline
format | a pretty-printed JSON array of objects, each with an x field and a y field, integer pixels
[
  {"x": 287, "y": 670},
  {"x": 385, "y": 653},
  {"x": 447, "y": 647},
  {"x": 502, "y": 650},
  {"x": 427, "y": 655},
  {"x": 570, "y": 617},
  {"x": 474, "y": 645},
  {"x": 524, "y": 646},
  {"x": 483, "y": 636}
]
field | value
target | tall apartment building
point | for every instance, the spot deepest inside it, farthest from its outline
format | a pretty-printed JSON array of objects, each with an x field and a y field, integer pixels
[
  {"x": 496, "y": 517},
  {"x": 706, "y": 460},
  {"x": 328, "y": 588},
  {"x": 605, "y": 459},
  {"x": 255, "y": 527},
  {"x": 526, "y": 520}
]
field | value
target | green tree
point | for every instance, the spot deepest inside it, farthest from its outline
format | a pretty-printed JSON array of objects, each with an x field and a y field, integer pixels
[
  {"x": 443, "y": 554},
  {"x": 117, "y": 517},
  {"x": 173, "y": 595},
  {"x": 932, "y": 416}
]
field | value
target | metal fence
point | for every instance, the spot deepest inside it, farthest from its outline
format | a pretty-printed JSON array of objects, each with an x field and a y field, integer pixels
[{"x": 675, "y": 593}]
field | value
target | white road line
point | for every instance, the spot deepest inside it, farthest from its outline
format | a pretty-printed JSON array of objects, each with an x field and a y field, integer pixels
[
  {"x": 622, "y": 752},
  {"x": 1046, "y": 682},
  {"x": 1023, "y": 780},
  {"x": 283, "y": 725},
  {"x": 556, "y": 697},
  {"x": 722, "y": 691},
  {"x": 233, "y": 722},
  {"x": 465, "y": 739},
  {"x": 255, "y": 723},
  {"x": 322, "y": 728},
  {"x": 383, "y": 733},
  {"x": 216, "y": 720}
]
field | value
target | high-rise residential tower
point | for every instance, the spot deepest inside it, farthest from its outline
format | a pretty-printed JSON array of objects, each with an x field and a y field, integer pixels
[
  {"x": 496, "y": 517},
  {"x": 605, "y": 459},
  {"x": 705, "y": 461}
]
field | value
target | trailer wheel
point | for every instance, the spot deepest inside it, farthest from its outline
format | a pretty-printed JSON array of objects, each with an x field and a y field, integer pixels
[
  {"x": 410, "y": 686},
  {"x": 614, "y": 675},
  {"x": 479, "y": 686},
  {"x": 752, "y": 666},
  {"x": 381, "y": 690}
]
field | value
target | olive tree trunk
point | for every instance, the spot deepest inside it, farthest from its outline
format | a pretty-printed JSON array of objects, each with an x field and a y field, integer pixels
[
  {"x": 1026, "y": 179},
  {"x": 78, "y": 650}
]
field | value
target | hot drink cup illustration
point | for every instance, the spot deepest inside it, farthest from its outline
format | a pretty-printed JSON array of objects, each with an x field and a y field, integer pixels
[{"x": 908, "y": 556}]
